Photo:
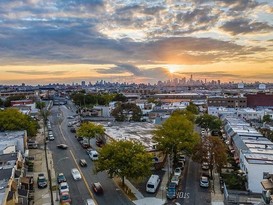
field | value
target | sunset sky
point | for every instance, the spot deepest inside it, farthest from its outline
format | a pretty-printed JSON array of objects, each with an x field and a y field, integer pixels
[{"x": 49, "y": 41}]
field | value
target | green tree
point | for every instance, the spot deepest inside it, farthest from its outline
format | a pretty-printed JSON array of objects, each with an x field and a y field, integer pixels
[
  {"x": 189, "y": 115},
  {"x": 13, "y": 119},
  {"x": 124, "y": 158},
  {"x": 192, "y": 108},
  {"x": 40, "y": 105},
  {"x": 267, "y": 118},
  {"x": 8, "y": 100},
  {"x": 213, "y": 151},
  {"x": 127, "y": 111},
  {"x": 90, "y": 130},
  {"x": 209, "y": 121},
  {"x": 176, "y": 134},
  {"x": 119, "y": 97}
]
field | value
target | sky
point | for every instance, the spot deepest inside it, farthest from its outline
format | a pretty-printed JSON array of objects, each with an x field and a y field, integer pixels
[{"x": 142, "y": 41}]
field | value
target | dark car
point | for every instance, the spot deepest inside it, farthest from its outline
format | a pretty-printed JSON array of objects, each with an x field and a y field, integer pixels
[
  {"x": 99, "y": 143},
  {"x": 83, "y": 162},
  {"x": 97, "y": 188},
  {"x": 41, "y": 181},
  {"x": 62, "y": 146},
  {"x": 171, "y": 191},
  {"x": 73, "y": 129},
  {"x": 61, "y": 178}
]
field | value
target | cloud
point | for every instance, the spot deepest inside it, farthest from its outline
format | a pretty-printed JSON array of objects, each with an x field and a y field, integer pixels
[
  {"x": 122, "y": 68},
  {"x": 35, "y": 72},
  {"x": 245, "y": 26}
]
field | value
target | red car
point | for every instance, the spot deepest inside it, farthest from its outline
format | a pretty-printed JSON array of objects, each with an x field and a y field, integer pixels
[{"x": 65, "y": 197}]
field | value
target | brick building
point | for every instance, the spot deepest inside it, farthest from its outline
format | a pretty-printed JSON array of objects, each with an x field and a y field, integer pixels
[
  {"x": 260, "y": 99},
  {"x": 228, "y": 102}
]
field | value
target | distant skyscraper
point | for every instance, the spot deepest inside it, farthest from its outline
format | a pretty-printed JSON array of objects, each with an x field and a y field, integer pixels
[{"x": 83, "y": 83}]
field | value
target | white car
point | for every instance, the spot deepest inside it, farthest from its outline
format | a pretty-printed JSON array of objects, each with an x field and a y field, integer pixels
[
  {"x": 204, "y": 181},
  {"x": 63, "y": 187},
  {"x": 175, "y": 179},
  {"x": 76, "y": 174},
  {"x": 177, "y": 171}
]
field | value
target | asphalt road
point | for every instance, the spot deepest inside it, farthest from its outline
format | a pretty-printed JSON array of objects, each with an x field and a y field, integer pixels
[{"x": 65, "y": 160}]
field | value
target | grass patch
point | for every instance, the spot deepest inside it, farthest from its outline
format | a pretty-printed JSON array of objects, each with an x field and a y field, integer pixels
[{"x": 126, "y": 190}]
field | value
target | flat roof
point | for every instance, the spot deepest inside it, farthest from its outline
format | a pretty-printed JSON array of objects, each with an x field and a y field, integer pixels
[{"x": 140, "y": 131}]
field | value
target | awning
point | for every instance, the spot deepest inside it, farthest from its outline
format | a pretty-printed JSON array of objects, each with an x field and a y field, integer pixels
[{"x": 267, "y": 184}]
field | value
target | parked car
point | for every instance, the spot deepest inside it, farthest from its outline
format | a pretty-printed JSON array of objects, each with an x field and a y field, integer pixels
[
  {"x": 93, "y": 154},
  {"x": 99, "y": 143},
  {"x": 83, "y": 162},
  {"x": 204, "y": 181},
  {"x": 89, "y": 202},
  {"x": 41, "y": 181},
  {"x": 205, "y": 165},
  {"x": 76, "y": 174},
  {"x": 62, "y": 146},
  {"x": 97, "y": 188},
  {"x": 51, "y": 137},
  {"x": 65, "y": 198},
  {"x": 182, "y": 158},
  {"x": 63, "y": 187},
  {"x": 32, "y": 145},
  {"x": 73, "y": 129},
  {"x": 171, "y": 191},
  {"x": 85, "y": 145},
  {"x": 61, "y": 178},
  {"x": 177, "y": 171},
  {"x": 175, "y": 179}
]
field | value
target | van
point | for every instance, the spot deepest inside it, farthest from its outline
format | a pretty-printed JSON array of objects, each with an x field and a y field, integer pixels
[
  {"x": 93, "y": 154},
  {"x": 152, "y": 183}
]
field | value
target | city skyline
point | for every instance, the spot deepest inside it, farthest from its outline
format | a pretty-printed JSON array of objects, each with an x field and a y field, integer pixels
[{"x": 139, "y": 41}]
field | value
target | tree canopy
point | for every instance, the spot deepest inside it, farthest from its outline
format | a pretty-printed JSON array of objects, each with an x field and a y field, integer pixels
[
  {"x": 267, "y": 118},
  {"x": 211, "y": 150},
  {"x": 90, "y": 130},
  {"x": 124, "y": 158},
  {"x": 127, "y": 112},
  {"x": 192, "y": 108},
  {"x": 176, "y": 134},
  {"x": 13, "y": 120},
  {"x": 209, "y": 121}
]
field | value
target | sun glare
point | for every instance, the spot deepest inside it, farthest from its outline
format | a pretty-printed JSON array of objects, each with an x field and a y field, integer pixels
[{"x": 172, "y": 68}]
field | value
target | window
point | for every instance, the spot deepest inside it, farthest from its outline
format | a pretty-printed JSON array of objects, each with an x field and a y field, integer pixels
[{"x": 265, "y": 175}]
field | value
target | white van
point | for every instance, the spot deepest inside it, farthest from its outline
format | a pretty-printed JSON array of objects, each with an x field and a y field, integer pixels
[
  {"x": 93, "y": 154},
  {"x": 152, "y": 184}
]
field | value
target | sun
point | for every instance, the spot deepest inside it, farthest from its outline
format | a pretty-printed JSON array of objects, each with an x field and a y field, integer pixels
[{"x": 172, "y": 68}]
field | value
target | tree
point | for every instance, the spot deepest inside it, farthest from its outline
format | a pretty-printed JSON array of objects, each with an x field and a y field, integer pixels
[
  {"x": 176, "y": 134},
  {"x": 90, "y": 130},
  {"x": 189, "y": 115},
  {"x": 8, "y": 100},
  {"x": 213, "y": 151},
  {"x": 192, "y": 108},
  {"x": 40, "y": 105},
  {"x": 209, "y": 122},
  {"x": 13, "y": 119},
  {"x": 124, "y": 158},
  {"x": 127, "y": 111},
  {"x": 119, "y": 97},
  {"x": 267, "y": 118}
]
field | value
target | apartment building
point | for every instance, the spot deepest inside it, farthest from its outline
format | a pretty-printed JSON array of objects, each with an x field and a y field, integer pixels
[{"x": 227, "y": 101}]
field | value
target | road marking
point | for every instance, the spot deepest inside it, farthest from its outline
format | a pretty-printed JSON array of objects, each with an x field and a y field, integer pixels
[
  {"x": 84, "y": 180},
  {"x": 60, "y": 128}
]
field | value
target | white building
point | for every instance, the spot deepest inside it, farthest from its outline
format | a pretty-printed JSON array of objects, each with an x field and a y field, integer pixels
[{"x": 12, "y": 141}]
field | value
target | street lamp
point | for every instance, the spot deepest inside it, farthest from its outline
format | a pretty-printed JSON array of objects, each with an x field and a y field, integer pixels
[{"x": 57, "y": 198}]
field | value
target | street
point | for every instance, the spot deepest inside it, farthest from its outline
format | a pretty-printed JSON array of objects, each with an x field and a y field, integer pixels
[{"x": 65, "y": 160}]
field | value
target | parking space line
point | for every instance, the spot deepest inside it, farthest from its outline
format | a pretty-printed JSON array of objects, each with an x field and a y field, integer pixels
[{"x": 84, "y": 180}]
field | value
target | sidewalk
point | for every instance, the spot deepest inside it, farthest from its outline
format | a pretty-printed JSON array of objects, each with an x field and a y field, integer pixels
[
  {"x": 217, "y": 198},
  {"x": 42, "y": 196}
]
